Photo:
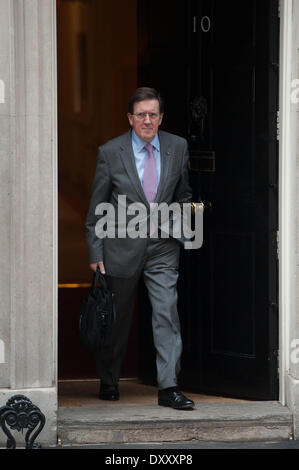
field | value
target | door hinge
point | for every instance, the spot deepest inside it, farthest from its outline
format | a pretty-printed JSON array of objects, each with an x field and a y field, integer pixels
[
  {"x": 278, "y": 8},
  {"x": 277, "y": 244},
  {"x": 277, "y": 359},
  {"x": 277, "y": 125},
  {"x": 275, "y": 356},
  {"x": 194, "y": 24}
]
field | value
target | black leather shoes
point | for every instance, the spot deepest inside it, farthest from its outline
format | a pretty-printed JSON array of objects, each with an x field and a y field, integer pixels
[
  {"x": 174, "y": 398},
  {"x": 109, "y": 392}
]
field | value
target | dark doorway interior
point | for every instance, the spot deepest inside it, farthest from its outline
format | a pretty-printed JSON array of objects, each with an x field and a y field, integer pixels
[
  {"x": 97, "y": 72},
  {"x": 216, "y": 63}
]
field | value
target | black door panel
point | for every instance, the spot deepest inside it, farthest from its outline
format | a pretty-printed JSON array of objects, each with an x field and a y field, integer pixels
[{"x": 223, "y": 54}]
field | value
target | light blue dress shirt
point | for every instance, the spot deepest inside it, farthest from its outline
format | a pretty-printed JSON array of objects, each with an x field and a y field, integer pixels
[{"x": 141, "y": 154}]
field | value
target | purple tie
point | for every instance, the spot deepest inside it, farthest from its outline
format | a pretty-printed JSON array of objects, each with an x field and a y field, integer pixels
[{"x": 150, "y": 175}]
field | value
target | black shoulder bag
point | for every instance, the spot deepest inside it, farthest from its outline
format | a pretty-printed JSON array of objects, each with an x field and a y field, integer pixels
[{"x": 97, "y": 313}]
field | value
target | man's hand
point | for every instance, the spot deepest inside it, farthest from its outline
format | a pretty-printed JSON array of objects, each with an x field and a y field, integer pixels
[{"x": 101, "y": 266}]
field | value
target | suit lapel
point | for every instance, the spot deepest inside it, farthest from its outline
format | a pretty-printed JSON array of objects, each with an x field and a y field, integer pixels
[{"x": 166, "y": 154}]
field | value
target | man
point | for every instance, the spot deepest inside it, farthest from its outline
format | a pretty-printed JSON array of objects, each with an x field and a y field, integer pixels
[{"x": 146, "y": 165}]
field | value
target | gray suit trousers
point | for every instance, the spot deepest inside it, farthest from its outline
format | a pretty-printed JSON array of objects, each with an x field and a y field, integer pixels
[{"x": 159, "y": 268}]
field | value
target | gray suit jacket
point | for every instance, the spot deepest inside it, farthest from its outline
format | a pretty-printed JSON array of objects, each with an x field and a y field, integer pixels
[{"x": 115, "y": 175}]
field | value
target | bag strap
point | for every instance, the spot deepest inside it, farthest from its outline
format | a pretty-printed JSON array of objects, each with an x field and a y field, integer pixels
[{"x": 98, "y": 276}]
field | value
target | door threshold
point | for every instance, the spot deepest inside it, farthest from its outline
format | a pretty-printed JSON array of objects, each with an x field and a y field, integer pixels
[
  {"x": 152, "y": 424},
  {"x": 84, "y": 392},
  {"x": 83, "y": 419}
]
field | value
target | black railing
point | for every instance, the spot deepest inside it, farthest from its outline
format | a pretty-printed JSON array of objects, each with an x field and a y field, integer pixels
[{"x": 20, "y": 413}]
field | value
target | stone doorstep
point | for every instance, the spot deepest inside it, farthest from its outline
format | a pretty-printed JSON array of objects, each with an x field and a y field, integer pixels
[{"x": 245, "y": 421}]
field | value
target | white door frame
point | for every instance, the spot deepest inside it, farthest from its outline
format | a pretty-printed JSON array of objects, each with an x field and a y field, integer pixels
[
  {"x": 287, "y": 199},
  {"x": 287, "y": 166}
]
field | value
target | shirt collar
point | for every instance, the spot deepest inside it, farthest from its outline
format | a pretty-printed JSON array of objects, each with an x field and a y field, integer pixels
[{"x": 139, "y": 144}]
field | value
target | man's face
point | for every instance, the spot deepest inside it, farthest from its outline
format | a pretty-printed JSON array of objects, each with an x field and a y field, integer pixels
[{"x": 146, "y": 126}]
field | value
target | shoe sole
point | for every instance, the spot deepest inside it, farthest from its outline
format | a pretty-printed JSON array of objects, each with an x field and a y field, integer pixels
[{"x": 170, "y": 405}]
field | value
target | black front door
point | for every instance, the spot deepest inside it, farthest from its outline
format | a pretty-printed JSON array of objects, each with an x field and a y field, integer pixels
[{"x": 216, "y": 63}]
